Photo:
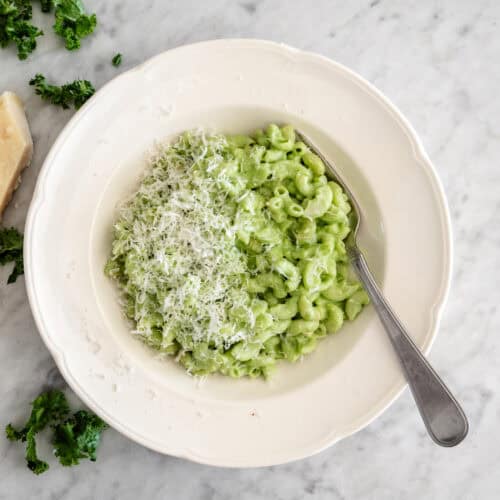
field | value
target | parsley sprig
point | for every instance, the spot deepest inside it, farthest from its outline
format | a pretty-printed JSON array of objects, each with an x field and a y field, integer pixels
[
  {"x": 15, "y": 26},
  {"x": 72, "y": 21},
  {"x": 74, "y": 94},
  {"x": 47, "y": 407},
  {"x": 75, "y": 436}
]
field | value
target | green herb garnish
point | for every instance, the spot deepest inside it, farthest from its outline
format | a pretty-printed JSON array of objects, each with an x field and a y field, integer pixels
[
  {"x": 117, "y": 60},
  {"x": 75, "y": 93},
  {"x": 72, "y": 22},
  {"x": 16, "y": 28},
  {"x": 75, "y": 437},
  {"x": 48, "y": 407},
  {"x": 11, "y": 250}
]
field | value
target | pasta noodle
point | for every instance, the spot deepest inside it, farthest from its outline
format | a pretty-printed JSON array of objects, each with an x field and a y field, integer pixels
[{"x": 230, "y": 256}]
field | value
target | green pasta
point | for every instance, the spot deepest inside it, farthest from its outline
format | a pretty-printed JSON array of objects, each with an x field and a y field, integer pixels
[{"x": 230, "y": 256}]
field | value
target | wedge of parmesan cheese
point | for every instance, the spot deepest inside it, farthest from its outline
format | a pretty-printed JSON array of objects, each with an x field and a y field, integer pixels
[{"x": 16, "y": 145}]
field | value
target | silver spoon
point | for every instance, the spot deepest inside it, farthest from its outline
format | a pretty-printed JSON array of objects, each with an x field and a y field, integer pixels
[{"x": 443, "y": 417}]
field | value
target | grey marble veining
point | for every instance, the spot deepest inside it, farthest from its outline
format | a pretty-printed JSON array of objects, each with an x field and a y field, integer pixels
[{"x": 439, "y": 62}]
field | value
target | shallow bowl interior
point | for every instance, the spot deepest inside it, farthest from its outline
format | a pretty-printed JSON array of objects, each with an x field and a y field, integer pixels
[{"x": 124, "y": 181}]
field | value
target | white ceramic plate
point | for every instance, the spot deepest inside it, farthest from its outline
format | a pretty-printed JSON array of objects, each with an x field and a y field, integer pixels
[{"x": 233, "y": 85}]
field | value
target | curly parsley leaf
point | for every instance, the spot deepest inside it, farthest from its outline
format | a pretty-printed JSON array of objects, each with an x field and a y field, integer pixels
[
  {"x": 77, "y": 437},
  {"x": 16, "y": 28},
  {"x": 117, "y": 60},
  {"x": 72, "y": 22},
  {"x": 74, "y": 437},
  {"x": 75, "y": 93},
  {"x": 48, "y": 407},
  {"x": 11, "y": 250}
]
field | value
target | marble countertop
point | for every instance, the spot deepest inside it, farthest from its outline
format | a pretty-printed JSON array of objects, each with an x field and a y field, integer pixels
[{"x": 438, "y": 62}]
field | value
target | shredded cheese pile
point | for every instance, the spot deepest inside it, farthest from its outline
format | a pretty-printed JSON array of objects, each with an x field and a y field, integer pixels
[{"x": 175, "y": 255}]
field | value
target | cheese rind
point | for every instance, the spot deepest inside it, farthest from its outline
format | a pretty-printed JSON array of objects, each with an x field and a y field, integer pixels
[{"x": 16, "y": 145}]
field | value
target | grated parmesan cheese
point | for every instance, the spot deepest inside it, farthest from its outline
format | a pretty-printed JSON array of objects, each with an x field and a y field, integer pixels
[{"x": 174, "y": 252}]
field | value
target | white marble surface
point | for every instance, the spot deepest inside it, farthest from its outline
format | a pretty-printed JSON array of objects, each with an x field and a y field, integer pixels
[{"x": 439, "y": 62}]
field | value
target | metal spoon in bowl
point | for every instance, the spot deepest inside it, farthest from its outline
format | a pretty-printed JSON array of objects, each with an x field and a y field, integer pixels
[{"x": 443, "y": 417}]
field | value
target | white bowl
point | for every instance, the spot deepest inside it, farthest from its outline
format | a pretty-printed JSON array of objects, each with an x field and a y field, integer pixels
[{"x": 233, "y": 85}]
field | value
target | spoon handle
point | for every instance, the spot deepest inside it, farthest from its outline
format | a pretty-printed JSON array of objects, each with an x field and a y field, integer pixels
[{"x": 443, "y": 417}]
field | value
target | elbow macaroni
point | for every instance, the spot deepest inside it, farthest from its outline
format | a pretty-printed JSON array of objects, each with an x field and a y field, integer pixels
[{"x": 289, "y": 223}]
